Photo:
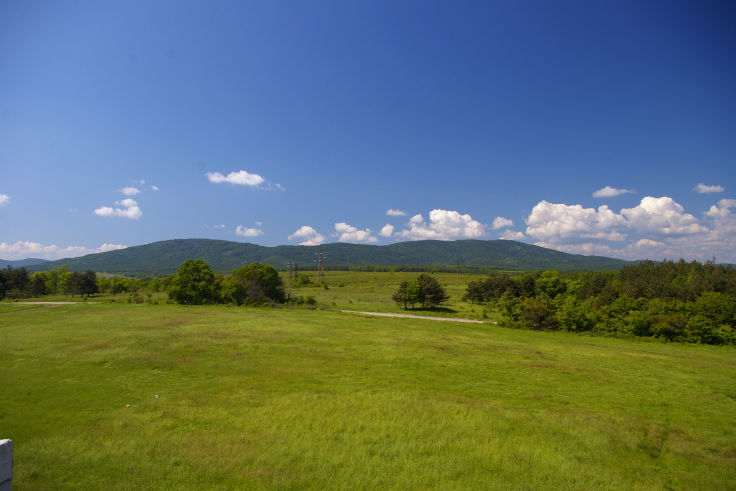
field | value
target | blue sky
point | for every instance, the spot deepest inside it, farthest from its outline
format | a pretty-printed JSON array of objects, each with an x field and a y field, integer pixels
[{"x": 593, "y": 127}]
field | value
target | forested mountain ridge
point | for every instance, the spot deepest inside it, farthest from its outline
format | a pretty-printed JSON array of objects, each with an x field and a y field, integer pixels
[{"x": 165, "y": 257}]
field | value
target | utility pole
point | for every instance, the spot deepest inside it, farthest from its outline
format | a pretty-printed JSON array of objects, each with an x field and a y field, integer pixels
[
  {"x": 320, "y": 264},
  {"x": 458, "y": 273},
  {"x": 290, "y": 276}
]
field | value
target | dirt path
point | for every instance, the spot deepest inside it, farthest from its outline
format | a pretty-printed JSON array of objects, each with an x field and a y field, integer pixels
[{"x": 423, "y": 317}]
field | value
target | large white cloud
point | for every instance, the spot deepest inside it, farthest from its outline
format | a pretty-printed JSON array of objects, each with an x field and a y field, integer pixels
[
  {"x": 241, "y": 178},
  {"x": 348, "y": 233},
  {"x": 560, "y": 221},
  {"x": 610, "y": 192},
  {"x": 387, "y": 230},
  {"x": 4, "y": 198},
  {"x": 130, "y": 210},
  {"x": 443, "y": 225},
  {"x": 27, "y": 249},
  {"x": 662, "y": 216},
  {"x": 657, "y": 228},
  {"x": 248, "y": 232},
  {"x": 309, "y": 234},
  {"x": 706, "y": 189}
]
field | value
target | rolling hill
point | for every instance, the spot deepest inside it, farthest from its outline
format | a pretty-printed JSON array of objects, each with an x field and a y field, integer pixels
[
  {"x": 165, "y": 257},
  {"x": 21, "y": 263}
]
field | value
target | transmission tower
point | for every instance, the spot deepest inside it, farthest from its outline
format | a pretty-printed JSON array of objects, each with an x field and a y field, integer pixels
[{"x": 320, "y": 266}]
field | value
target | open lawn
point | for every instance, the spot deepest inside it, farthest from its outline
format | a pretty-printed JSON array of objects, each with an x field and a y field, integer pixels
[{"x": 279, "y": 398}]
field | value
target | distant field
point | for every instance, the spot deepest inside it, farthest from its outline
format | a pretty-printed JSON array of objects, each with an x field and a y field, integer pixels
[
  {"x": 371, "y": 291},
  {"x": 279, "y": 398}
]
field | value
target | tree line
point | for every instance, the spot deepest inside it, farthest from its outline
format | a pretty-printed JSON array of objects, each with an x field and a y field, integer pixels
[{"x": 677, "y": 301}]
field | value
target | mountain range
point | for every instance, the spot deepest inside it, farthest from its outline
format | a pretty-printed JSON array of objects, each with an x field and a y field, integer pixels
[{"x": 165, "y": 257}]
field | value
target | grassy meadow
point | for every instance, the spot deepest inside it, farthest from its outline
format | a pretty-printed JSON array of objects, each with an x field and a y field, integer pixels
[{"x": 288, "y": 398}]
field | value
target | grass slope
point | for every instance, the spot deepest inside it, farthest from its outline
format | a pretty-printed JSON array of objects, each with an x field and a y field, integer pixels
[
  {"x": 312, "y": 399},
  {"x": 223, "y": 256}
]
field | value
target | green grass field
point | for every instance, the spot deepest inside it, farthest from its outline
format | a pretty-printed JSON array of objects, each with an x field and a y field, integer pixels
[{"x": 286, "y": 398}]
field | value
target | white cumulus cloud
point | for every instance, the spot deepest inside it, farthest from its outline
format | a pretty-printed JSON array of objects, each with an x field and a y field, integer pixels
[
  {"x": 27, "y": 249},
  {"x": 610, "y": 192},
  {"x": 443, "y": 225},
  {"x": 395, "y": 213},
  {"x": 130, "y": 210},
  {"x": 557, "y": 220},
  {"x": 4, "y": 198},
  {"x": 705, "y": 189},
  {"x": 309, "y": 234},
  {"x": 501, "y": 222},
  {"x": 657, "y": 228},
  {"x": 387, "y": 230},
  {"x": 662, "y": 216},
  {"x": 348, "y": 233},
  {"x": 248, "y": 232},
  {"x": 241, "y": 178},
  {"x": 130, "y": 191}
]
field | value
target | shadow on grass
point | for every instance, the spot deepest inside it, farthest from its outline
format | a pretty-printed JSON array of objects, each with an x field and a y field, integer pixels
[{"x": 445, "y": 310}]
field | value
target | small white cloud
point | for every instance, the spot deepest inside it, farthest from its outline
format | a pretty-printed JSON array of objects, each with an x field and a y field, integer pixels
[
  {"x": 142, "y": 182},
  {"x": 395, "y": 213},
  {"x": 154, "y": 188},
  {"x": 610, "y": 192},
  {"x": 4, "y": 199},
  {"x": 443, "y": 225},
  {"x": 501, "y": 222},
  {"x": 259, "y": 224},
  {"x": 127, "y": 202},
  {"x": 248, "y": 232},
  {"x": 387, "y": 230},
  {"x": 512, "y": 235},
  {"x": 110, "y": 247},
  {"x": 310, "y": 236},
  {"x": 348, "y": 233},
  {"x": 28, "y": 249},
  {"x": 241, "y": 178},
  {"x": 705, "y": 189},
  {"x": 130, "y": 210},
  {"x": 130, "y": 191},
  {"x": 221, "y": 225}
]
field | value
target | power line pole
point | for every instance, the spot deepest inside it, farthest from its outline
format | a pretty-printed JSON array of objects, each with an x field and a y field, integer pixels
[
  {"x": 320, "y": 264},
  {"x": 458, "y": 273}
]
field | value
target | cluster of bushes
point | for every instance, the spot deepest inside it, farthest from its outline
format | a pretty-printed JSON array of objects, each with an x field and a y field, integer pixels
[
  {"x": 677, "y": 301},
  {"x": 425, "y": 290},
  {"x": 256, "y": 284}
]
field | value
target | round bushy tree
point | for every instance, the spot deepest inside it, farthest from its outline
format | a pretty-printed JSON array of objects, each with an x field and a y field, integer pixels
[
  {"x": 193, "y": 284},
  {"x": 255, "y": 284}
]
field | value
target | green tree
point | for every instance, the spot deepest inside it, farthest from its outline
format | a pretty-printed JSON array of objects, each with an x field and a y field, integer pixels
[
  {"x": 432, "y": 293},
  {"x": 409, "y": 293},
  {"x": 254, "y": 284},
  {"x": 84, "y": 284},
  {"x": 536, "y": 314},
  {"x": 193, "y": 283}
]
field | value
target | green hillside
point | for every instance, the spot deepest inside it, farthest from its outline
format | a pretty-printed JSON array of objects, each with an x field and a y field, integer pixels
[{"x": 223, "y": 256}]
